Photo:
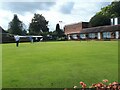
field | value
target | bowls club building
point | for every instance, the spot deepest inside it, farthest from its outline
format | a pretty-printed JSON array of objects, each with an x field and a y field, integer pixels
[{"x": 81, "y": 31}]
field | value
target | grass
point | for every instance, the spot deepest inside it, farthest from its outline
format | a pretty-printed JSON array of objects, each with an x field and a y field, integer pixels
[{"x": 59, "y": 64}]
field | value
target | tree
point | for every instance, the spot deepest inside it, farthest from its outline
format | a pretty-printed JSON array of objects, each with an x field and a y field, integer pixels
[
  {"x": 115, "y": 9},
  {"x": 103, "y": 17},
  {"x": 59, "y": 32},
  {"x": 16, "y": 26},
  {"x": 99, "y": 20},
  {"x": 24, "y": 32},
  {"x": 54, "y": 35},
  {"x": 112, "y": 10},
  {"x": 38, "y": 25}
]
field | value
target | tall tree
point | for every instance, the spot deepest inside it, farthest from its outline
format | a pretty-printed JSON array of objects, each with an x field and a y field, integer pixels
[
  {"x": 15, "y": 26},
  {"x": 112, "y": 10},
  {"x": 38, "y": 25},
  {"x": 116, "y": 8},
  {"x": 99, "y": 20},
  {"x": 59, "y": 32}
]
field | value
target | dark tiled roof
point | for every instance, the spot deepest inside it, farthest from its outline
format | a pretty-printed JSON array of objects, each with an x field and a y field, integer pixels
[
  {"x": 101, "y": 29},
  {"x": 2, "y": 30}
]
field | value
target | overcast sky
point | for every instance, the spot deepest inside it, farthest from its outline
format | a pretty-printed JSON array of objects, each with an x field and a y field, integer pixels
[{"x": 68, "y": 12}]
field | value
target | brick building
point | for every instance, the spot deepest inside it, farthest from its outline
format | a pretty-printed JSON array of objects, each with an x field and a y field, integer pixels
[
  {"x": 72, "y": 31},
  {"x": 83, "y": 31},
  {"x": 101, "y": 32}
]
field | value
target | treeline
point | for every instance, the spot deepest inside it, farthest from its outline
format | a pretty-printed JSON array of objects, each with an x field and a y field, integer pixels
[{"x": 37, "y": 26}]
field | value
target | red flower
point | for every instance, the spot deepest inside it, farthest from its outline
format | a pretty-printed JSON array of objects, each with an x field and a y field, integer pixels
[
  {"x": 84, "y": 86},
  {"x": 81, "y": 83}
]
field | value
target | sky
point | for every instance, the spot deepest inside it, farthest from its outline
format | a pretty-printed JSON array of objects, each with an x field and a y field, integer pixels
[{"x": 54, "y": 11}]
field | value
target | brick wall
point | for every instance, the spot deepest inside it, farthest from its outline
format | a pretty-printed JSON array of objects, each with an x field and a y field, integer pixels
[{"x": 75, "y": 28}]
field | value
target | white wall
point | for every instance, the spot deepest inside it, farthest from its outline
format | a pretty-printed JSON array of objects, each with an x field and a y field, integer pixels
[
  {"x": 116, "y": 21},
  {"x": 99, "y": 36},
  {"x": 117, "y": 34}
]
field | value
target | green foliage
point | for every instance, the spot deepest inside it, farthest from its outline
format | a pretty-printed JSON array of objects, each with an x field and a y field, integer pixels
[
  {"x": 16, "y": 26},
  {"x": 24, "y": 32},
  {"x": 103, "y": 17},
  {"x": 45, "y": 35},
  {"x": 116, "y": 9},
  {"x": 38, "y": 25},
  {"x": 99, "y": 20},
  {"x": 59, "y": 32},
  {"x": 59, "y": 64},
  {"x": 54, "y": 35},
  {"x": 112, "y": 10}
]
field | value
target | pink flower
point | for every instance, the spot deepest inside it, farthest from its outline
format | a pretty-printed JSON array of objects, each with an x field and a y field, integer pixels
[
  {"x": 84, "y": 86},
  {"x": 105, "y": 80},
  {"x": 81, "y": 83},
  {"x": 114, "y": 83},
  {"x": 98, "y": 85}
]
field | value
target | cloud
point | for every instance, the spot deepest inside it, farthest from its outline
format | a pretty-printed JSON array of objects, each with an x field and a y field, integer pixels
[
  {"x": 85, "y": 10},
  {"x": 67, "y": 12},
  {"x": 67, "y": 7},
  {"x": 22, "y": 7},
  {"x": 5, "y": 17}
]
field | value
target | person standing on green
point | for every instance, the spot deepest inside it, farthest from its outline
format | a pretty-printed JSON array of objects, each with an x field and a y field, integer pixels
[{"x": 17, "y": 38}]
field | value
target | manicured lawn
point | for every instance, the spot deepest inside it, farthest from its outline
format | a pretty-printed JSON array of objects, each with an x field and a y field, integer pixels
[{"x": 59, "y": 64}]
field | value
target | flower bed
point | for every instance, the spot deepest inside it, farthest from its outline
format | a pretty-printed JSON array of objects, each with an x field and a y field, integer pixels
[{"x": 101, "y": 85}]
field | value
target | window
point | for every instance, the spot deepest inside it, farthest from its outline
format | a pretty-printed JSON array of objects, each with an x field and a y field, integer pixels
[
  {"x": 74, "y": 36},
  {"x": 106, "y": 35},
  {"x": 91, "y": 35},
  {"x": 83, "y": 36}
]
